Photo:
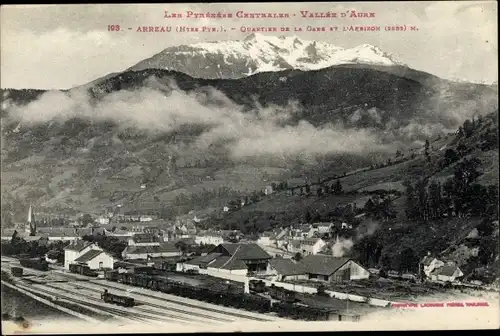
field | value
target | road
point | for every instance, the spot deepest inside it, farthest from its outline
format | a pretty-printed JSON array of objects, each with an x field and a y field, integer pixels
[{"x": 151, "y": 307}]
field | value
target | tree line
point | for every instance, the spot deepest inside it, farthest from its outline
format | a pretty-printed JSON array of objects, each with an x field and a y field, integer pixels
[{"x": 458, "y": 196}]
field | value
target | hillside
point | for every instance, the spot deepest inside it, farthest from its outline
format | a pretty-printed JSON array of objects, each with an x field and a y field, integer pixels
[{"x": 143, "y": 138}]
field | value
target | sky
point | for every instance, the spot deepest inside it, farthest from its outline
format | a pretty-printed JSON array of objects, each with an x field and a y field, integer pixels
[{"x": 62, "y": 46}]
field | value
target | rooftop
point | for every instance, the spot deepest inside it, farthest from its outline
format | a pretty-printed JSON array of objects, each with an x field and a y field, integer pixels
[
  {"x": 227, "y": 263},
  {"x": 162, "y": 248},
  {"x": 89, "y": 256},
  {"x": 322, "y": 264},
  {"x": 246, "y": 251},
  {"x": 78, "y": 245},
  {"x": 287, "y": 266}
]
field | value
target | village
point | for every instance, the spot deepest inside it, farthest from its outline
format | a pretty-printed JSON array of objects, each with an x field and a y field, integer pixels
[{"x": 300, "y": 257}]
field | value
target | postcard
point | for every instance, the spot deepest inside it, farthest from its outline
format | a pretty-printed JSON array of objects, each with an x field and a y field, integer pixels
[{"x": 242, "y": 167}]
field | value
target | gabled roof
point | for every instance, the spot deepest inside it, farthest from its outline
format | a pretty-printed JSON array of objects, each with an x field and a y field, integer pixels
[
  {"x": 322, "y": 264},
  {"x": 89, "y": 256},
  {"x": 246, "y": 251},
  {"x": 162, "y": 248},
  {"x": 427, "y": 260},
  {"x": 228, "y": 263},
  {"x": 287, "y": 266},
  {"x": 447, "y": 270},
  {"x": 144, "y": 238},
  {"x": 204, "y": 259},
  {"x": 78, "y": 245}
]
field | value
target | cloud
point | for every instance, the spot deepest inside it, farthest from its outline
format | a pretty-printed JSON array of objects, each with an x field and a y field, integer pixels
[{"x": 160, "y": 106}]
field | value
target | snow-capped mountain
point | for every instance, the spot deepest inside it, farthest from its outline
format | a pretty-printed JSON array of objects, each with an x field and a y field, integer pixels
[{"x": 260, "y": 53}]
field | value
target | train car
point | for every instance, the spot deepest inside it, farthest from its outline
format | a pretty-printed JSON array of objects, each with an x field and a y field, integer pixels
[
  {"x": 282, "y": 294},
  {"x": 117, "y": 299},
  {"x": 38, "y": 264},
  {"x": 17, "y": 271},
  {"x": 111, "y": 275},
  {"x": 82, "y": 269},
  {"x": 257, "y": 286}
]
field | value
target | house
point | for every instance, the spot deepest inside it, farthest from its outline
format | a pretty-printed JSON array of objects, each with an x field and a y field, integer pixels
[
  {"x": 447, "y": 273},
  {"x": 96, "y": 260},
  {"x": 268, "y": 190},
  {"x": 201, "y": 262},
  {"x": 266, "y": 238},
  {"x": 166, "y": 249},
  {"x": 287, "y": 269},
  {"x": 76, "y": 249},
  {"x": 208, "y": 238},
  {"x": 312, "y": 245},
  {"x": 333, "y": 269},
  {"x": 429, "y": 264},
  {"x": 102, "y": 220},
  {"x": 143, "y": 239},
  {"x": 251, "y": 255}
]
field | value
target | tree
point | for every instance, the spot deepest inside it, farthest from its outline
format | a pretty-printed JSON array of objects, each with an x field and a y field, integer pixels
[
  {"x": 468, "y": 128},
  {"x": 297, "y": 256},
  {"x": 450, "y": 156},
  {"x": 319, "y": 192},
  {"x": 427, "y": 155},
  {"x": 308, "y": 217},
  {"x": 182, "y": 246},
  {"x": 435, "y": 200},
  {"x": 86, "y": 219},
  {"x": 408, "y": 261},
  {"x": 337, "y": 188}
]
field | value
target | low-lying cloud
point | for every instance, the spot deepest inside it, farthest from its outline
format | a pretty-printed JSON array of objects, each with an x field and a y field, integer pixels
[{"x": 163, "y": 107}]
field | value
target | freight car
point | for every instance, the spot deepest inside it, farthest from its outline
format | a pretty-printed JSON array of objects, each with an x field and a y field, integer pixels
[
  {"x": 117, "y": 299},
  {"x": 38, "y": 264},
  {"x": 225, "y": 296},
  {"x": 17, "y": 271},
  {"x": 82, "y": 269}
]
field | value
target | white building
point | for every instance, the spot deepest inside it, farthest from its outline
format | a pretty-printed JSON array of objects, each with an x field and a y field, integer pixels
[
  {"x": 167, "y": 249},
  {"x": 333, "y": 269},
  {"x": 96, "y": 260},
  {"x": 308, "y": 246},
  {"x": 208, "y": 238},
  {"x": 102, "y": 220},
  {"x": 430, "y": 264},
  {"x": 266, "y": 238},
  {"x": 76, "y": 249}
]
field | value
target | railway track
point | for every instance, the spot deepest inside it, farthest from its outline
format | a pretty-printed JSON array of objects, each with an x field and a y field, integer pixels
[
  {"x": 131, "y": 312},
  {"x": 222, "y": 319},
  {"x": 195, "y": 306}
]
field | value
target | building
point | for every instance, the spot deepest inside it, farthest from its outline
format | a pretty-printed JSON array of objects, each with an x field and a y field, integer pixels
[
  {"x": 429, "y": 264},
  {"x": 166, "y": 249},
  {"x": 208, "y": 238},
  {"x": 96, "y": 260},
  {"x": 143, "y": 239},
  {"x": 287, "y": 269},
  {"x": 447, "y": 273},
  {"x": 103, "y": 220},
  {"x": 266, "y": 238},
  {"x": 76, "y": 249},
  {"x": 268, "y": 190},
  {"x": 332, "y": 269},
  {"x": 252, "y": 255},
  {"x": 311, "y": 245}
]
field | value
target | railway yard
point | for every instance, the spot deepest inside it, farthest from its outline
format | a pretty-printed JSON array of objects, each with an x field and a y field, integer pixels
[{"x": 82, "y": 295}]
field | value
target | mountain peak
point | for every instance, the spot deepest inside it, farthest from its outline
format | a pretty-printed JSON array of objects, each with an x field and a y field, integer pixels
[{"x": 261, "y": 53}]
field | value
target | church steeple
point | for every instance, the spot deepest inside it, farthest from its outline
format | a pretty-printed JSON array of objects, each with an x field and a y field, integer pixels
[{"x": 31, "y": 225}]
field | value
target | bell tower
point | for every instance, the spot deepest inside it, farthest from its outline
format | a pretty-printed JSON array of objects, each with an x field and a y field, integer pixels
[{"x": 30, "y": 227}]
